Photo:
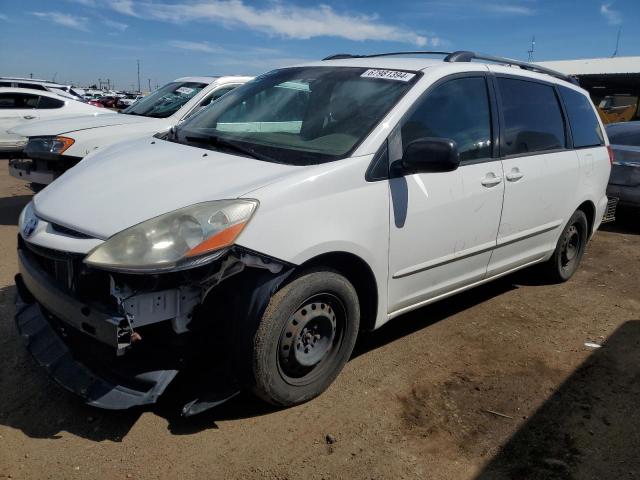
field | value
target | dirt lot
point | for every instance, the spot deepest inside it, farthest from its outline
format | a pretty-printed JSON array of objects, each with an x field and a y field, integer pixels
[{"x": 416, "y": 400}]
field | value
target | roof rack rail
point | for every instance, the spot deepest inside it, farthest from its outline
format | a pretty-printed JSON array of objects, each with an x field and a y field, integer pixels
[
  {"x": 339, "y": 56},
  {"x": 465, "y": 56}
]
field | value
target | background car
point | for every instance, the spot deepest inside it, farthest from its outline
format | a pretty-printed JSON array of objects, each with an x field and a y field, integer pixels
[
  {"x": 108, "y": 101},
  {"x": 37, "y": 84},
  {"x": 624, "y": 182},
  {"x": 23, "y": 105},
  {"x": 128, "y": 100},
  {"x": 56, "y": 146}
]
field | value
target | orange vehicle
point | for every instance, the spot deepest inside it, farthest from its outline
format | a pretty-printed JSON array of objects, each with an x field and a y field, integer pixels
[{"x": 618, "y": 108}]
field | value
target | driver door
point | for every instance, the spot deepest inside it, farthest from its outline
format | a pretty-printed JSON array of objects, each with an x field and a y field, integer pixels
[{"x": 443, "y": 226}]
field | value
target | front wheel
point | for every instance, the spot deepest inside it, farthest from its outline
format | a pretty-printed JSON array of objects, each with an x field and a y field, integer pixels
[
  {"x": 569, "y": 250},
  {"x": 305, "y": 337}
]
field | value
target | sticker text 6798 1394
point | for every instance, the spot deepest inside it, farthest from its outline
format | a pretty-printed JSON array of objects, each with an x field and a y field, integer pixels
[{"x": 388, "y": 74}]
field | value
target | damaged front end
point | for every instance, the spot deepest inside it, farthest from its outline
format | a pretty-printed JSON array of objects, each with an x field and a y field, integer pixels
[{"x": 119, "y": 339}]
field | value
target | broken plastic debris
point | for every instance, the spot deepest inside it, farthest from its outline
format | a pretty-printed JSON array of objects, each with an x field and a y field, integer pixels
[{"x": 592, "y": 345}]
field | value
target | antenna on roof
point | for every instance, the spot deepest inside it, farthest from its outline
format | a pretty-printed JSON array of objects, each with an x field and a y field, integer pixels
[
  {"x": 532, "y": 49},
  {"x": 615, "y": 52}
]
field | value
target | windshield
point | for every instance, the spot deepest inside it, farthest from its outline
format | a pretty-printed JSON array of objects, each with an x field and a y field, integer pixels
[
  {"x": 165, "y": 101},
  {"x": 299, "y": 116}
]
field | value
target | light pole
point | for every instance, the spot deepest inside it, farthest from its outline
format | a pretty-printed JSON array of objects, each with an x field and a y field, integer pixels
[{"x": 138, "y": 74}]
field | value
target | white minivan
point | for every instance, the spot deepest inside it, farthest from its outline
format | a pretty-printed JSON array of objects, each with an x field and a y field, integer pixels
[
  {"x": 248, "y": 247},
  {"x": 55, "y": 146}
]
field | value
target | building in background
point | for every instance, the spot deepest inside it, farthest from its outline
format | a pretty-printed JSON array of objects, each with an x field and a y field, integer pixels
[{"x": 613, "y": 83}]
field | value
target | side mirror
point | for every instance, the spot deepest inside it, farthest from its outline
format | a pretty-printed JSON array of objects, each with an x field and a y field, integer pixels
[{"x": 430, "y": 154}]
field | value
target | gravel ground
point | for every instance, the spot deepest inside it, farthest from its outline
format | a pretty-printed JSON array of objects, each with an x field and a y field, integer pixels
[{"x": 493, "y": 383}]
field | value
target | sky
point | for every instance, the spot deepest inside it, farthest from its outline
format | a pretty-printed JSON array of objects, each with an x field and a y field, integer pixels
[{"x": 80, "y": 41}]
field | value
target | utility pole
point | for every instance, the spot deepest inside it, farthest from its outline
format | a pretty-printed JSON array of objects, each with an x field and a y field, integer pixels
[
  {"x": 615, "y": 52},
  {"x": 149, "y": 84},
  {"x": 532, "y": 49},
  {"x": 138, "y": 74}
]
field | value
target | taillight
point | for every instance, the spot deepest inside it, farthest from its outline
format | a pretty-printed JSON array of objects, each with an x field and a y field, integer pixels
[{"x": 612, "y": 157}]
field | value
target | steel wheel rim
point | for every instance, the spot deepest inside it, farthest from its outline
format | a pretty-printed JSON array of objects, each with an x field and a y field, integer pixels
[
  {"x": 571, "y": 246},
  {"x": 310, "y": 338}
]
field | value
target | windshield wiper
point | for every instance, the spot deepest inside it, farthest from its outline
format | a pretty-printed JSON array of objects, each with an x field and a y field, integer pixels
[{"x": 231, "y": 145}]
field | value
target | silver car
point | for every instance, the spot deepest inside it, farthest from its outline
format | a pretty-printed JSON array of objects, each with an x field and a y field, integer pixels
[{"x": 624, "y": 182}]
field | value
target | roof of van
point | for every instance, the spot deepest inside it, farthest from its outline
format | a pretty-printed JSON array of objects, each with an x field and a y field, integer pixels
[{"x": 417, "y": 61}]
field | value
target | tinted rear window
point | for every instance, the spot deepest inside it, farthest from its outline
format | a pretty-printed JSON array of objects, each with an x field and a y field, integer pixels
[
  {"x": 532, "y": 116},
  {"x": 582, "y": 119}
]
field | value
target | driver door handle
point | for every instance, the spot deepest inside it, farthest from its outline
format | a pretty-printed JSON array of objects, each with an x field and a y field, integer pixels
[
  {"x": 28, "y": 117},
  {"x": 491, "y": 180}
]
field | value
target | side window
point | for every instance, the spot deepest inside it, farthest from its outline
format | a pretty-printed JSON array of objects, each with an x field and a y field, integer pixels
[
  {"x": 7, "y": 100},
  {"x": 18, "y": 100},
  {"x": 532, "y": 116},
  {"x": 209, "y": 99},
  {"x": 585, "y": 128},
  {"x": 216, "y": 95},
  {"x": 48, "y": 102},
  {"x": 459, "y": 110}
]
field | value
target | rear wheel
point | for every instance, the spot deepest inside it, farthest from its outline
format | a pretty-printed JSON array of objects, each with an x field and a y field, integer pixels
[
  {"x": 305, "y": 337},
  {"x": 569, "y": 250}
]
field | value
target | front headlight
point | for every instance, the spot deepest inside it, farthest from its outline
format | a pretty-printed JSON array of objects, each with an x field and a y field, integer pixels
[
  {"x": 27, "y": 217},
  {"x": 48, "y": 146},
  {"x": 177, "y": 240}
]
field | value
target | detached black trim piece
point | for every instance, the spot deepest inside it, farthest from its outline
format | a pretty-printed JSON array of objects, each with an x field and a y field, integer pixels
[
  {"x": 340, "y": 56},
  {"x": 51, "y": 353}
]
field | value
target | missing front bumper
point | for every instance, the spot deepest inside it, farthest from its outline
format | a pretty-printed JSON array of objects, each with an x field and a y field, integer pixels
[
  {"x": 100, "y": 390},
  {"x": 77, "y": 341}
]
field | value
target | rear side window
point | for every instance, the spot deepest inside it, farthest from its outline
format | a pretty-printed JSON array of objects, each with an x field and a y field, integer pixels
[
  {"x": 585, "y": 128},
  {"x": 532, "y": 116},
  {"x": 18, "y": 100},
  {"x": 459, "y": 110},
  {"x": 47, "y": 102}
]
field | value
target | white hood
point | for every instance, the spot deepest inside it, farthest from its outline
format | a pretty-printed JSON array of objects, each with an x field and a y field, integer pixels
[
  {"x": 133, "y": 181},
  {"x": 64, "y": 125}
]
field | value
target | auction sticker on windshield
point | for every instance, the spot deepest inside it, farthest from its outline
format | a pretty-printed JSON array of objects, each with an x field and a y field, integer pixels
[
  {"x": 388, "y": 74},
  {"x": 184, "y": 90}
]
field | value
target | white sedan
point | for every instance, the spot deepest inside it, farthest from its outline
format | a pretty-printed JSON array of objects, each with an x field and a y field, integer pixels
[{"x": 23, "y": 105}]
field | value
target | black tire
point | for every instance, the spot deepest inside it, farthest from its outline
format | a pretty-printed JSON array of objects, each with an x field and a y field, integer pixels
[
  {"x": 569, "y": 250},
  {"x": 314, "y": 318}
]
